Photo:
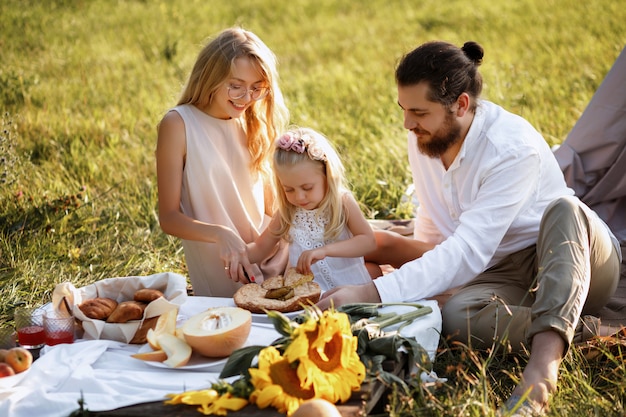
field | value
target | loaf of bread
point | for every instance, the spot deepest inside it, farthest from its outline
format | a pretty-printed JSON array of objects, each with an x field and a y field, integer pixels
[
  {"x": 147, "y": 295},
  {"x": 98, "y": 308},
  {"x": 293, "y": 278},
  {"x": 252, "y": 296},
  {"x": 127, "y": 311}
]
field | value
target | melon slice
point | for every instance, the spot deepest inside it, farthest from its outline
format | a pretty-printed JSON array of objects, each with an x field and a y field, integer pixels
[
  {"x": 177, "y": 350},
  {"x": 151, "y": 356},
  {"x": 219, "y": 331},
  {"x": 166, "y": 324}
]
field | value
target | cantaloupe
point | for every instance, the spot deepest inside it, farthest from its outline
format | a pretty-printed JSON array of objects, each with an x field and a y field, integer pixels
[{"x": 219, "y": 331}]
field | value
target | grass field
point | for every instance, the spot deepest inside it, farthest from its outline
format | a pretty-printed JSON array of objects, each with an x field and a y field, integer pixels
[{"x": 84, "y": 83}]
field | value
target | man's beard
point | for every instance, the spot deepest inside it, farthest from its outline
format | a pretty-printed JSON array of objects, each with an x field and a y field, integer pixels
[{"x": 440, "y": 141}]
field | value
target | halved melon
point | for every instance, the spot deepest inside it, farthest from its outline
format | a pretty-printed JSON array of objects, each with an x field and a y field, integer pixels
[{"x": 219, "y": 331}]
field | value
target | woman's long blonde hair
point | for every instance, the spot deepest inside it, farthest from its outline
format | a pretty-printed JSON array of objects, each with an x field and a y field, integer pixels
[
  {"x": 301, "y": 144},
  {"x": 266, "y": 117}
]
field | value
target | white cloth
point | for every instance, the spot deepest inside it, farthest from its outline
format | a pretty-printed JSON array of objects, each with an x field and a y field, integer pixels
[
  {"x": 106, "y": 374},
  {"x": 488, "y": 204},
  {"x": 218, "y": 188},
  {"x": 109, "y": 378},
  {"x": 306, "y": 233}
]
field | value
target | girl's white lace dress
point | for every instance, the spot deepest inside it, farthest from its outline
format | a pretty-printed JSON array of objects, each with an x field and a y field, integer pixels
[{"x": 307, "y": 232}]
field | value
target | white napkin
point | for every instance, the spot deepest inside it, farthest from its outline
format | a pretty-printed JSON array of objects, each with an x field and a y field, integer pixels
[{"x": 425, "y": 329}]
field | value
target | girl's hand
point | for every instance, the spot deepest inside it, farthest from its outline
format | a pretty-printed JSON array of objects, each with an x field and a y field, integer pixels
[
  {"x": 233, "y": 252},
  {"x": 308, "y": 258}
]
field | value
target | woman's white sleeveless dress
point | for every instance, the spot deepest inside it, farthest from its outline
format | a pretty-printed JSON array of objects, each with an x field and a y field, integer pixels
[{"x": 217, "y": 188}]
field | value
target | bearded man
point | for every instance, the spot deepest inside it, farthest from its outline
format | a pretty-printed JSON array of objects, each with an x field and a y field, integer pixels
[{"x": 495, "y": 220}]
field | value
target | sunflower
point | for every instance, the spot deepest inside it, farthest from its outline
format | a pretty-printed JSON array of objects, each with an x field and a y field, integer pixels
[
  {"x": 327, "y": 357},
  {"x": 276, "y": 383},
  {"x": 320, "y": 361},
  {"x": 316, "y": 358},
  {"x": 210, "y": 401}
]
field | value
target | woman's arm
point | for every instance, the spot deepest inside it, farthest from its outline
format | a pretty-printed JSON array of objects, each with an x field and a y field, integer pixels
[
  {"x": 170, "y": 162},
  {"x": 265, "y": 243},
  {"x": 361, "y": 242}
]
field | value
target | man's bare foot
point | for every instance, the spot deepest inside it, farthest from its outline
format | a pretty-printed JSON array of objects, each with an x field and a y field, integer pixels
[{"x": 541, "y": 374}]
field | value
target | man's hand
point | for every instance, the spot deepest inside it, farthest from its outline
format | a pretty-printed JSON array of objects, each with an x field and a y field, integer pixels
[{"x": 348, "y": 294}]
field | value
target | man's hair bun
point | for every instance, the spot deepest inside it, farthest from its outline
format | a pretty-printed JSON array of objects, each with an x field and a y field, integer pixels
[{"x": 473, "y": 51}]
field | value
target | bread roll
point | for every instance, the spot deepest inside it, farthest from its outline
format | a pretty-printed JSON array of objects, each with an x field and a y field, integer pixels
[
  {"x": 147, "y": 295},
  {"x": 98, "y": 308},
  {"x": 126, "y": 311}
]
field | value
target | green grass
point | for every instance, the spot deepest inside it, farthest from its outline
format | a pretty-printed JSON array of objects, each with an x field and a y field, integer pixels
[{"x": 84, "y": 83}]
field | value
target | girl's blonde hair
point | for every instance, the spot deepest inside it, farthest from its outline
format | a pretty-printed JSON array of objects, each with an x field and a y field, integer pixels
[
  {"x": 300, "y": 144},
  {"x": 266, "y": 117}
]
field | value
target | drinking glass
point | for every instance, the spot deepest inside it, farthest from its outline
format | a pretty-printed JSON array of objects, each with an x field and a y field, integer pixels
[
  {"x": 29, "y": 326},
  {"x": 58, "y": 327}
]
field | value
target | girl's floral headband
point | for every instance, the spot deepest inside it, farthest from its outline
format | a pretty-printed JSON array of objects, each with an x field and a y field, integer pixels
[{"x": 289, "y": 142}]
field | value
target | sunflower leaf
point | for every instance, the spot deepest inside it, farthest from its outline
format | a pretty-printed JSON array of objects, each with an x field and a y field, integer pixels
[
  {"x": 391, "y": 379},
  {"x": 373, "y": 364},
  {"x": 240, "y": 360},
  {"x": 358, "y": 311},
  {"x": 417, "y": 354},
  {"x": 363, "y": 338},
  {"x": 394, "y": 346},
  {"x": 386, "y": 345},
  {"x": 375, "y": 370}
]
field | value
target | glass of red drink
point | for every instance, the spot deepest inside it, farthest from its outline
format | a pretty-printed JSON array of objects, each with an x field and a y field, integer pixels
[
  {"x": 58, "y": 327},
  {"x": 29, "y": 326}
]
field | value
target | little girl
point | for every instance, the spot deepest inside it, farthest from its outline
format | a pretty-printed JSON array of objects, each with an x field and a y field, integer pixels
[{"x": 319, "y": 217}]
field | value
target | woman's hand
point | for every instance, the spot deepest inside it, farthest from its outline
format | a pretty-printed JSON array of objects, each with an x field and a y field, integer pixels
[
  {"x": 233, "y": 252},
  {"x": 347, "y": 294}
]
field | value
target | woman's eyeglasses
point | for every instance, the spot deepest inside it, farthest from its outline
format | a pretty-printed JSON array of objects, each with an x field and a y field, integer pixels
[{"x": 236, "y": 92}]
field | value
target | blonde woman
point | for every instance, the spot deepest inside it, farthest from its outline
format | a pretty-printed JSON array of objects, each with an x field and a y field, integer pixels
[
  {"x": 317, "y": 215},
  {"x": 213, "y": 156}
]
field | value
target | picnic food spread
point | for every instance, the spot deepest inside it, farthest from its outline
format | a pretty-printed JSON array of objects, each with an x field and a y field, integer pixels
[
  {"x": 280, "y": 293},
  {"x": 119, "y": 380}
]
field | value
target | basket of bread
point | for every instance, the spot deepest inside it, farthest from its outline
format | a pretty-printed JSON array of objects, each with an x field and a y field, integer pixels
[
  {"x": 285, "y": 293},
  {"x": 121, "y": 309}
]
